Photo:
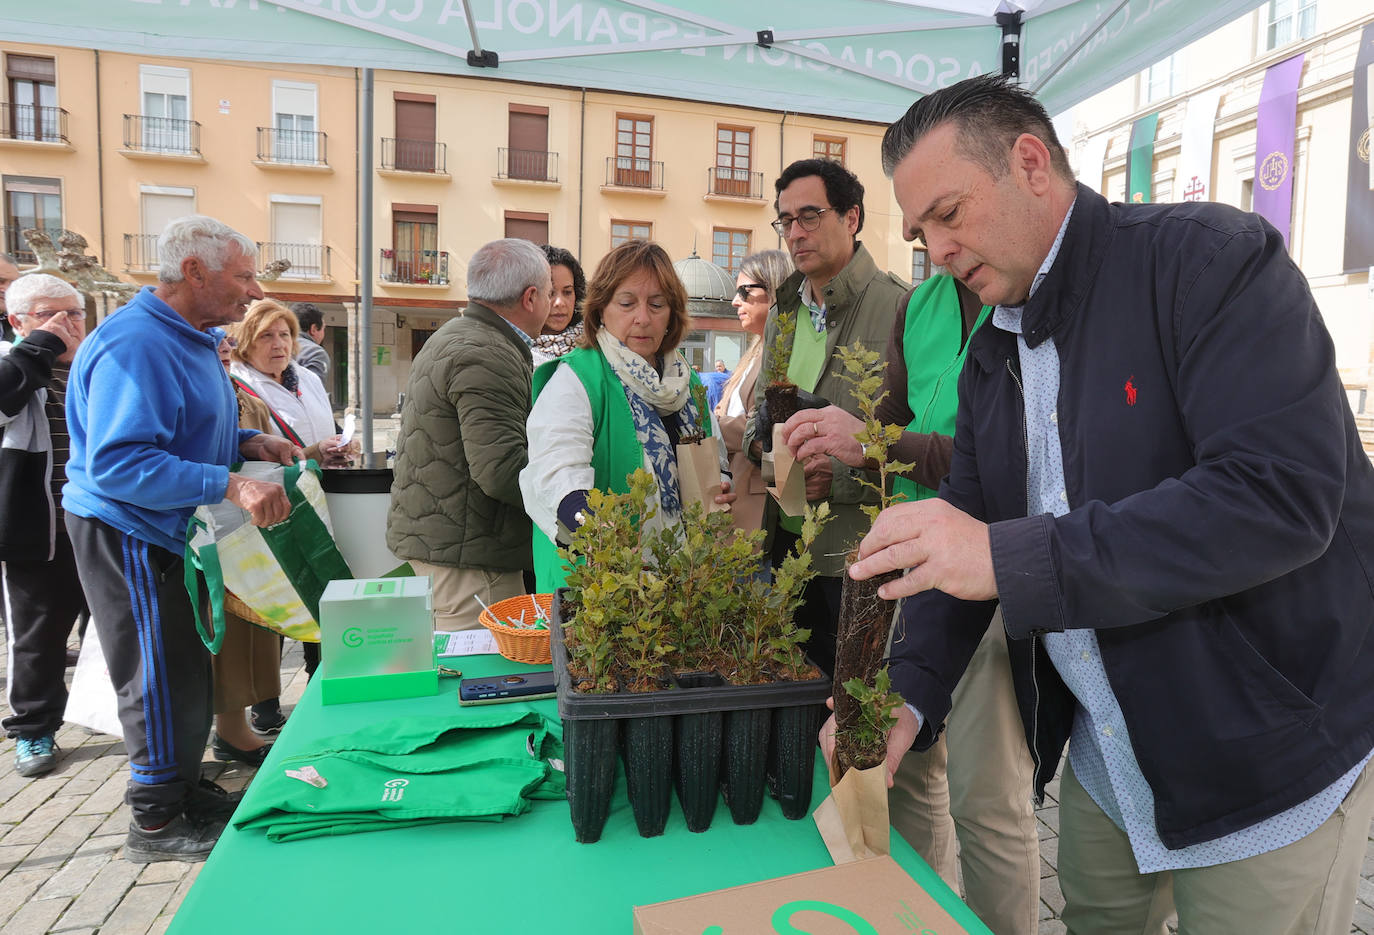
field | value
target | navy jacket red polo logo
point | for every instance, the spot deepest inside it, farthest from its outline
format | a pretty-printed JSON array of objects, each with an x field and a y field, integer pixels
[{"x": 1130, "y": 390}]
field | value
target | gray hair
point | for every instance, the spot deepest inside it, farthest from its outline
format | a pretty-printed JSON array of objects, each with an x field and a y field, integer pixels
[
  {"x": 204, "y": 238},
  {"x": 767, "y": 268},
  {"x": 990, "y": 112},
  {"x": 6, "y": 258},
  {"x": 501, "y": 271},
  {"x": 27, "y": 290}
]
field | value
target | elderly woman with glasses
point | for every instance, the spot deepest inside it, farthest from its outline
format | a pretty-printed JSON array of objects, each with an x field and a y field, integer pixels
[
  {"x": 619, "y": 402},
  {"x": 262, "y": 352},
  {"x": 38, "y": 573},
  {"x": 263, "y": 348}
]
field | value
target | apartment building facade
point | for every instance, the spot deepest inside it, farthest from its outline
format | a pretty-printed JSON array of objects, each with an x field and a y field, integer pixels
[{"x": 112, "y": 145}]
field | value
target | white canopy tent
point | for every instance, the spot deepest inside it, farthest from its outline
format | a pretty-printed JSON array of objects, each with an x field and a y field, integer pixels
[
  {"x": 863, "y": 59},
  {"x": 859, "y": 59}
]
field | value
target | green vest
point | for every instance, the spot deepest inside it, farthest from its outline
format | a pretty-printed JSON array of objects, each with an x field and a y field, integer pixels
[
  {"x": 808, "y": 352},
  {"x": 804, "y": 369},
  {"x": 616, "y": 451},
  {"x": 934, "y": 331}
]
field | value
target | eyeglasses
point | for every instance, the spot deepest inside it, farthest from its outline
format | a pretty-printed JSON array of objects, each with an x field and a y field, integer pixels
[
  {"x": 53, "y": 313},
  {"x": 743, "y": 291},
  {"x": 808, "y": 218}
]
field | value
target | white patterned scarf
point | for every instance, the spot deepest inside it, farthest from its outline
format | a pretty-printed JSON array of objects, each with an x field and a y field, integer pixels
[{"x": 652, "y": 399}]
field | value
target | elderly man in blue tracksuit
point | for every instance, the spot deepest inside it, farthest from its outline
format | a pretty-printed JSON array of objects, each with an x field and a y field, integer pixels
[
  {"x": 1157, "y": 476},
  {"x": 154, "y": 430}
]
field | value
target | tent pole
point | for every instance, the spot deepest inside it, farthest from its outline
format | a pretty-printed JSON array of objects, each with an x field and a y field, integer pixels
[
  {"x": 1011, "y": 44},
  {"x": 364, "y": 338}
]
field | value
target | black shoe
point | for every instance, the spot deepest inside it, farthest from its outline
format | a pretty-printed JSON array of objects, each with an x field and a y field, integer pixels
[
  {"x": 266, "y": 718},
  {"x": 227, "y": 752},
  {"x": 180, "y": 839},
  {"x": 209, "y": 801}
]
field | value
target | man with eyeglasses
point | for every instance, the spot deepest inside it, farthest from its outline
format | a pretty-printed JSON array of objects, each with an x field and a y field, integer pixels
[
  {"x": 42, "y": 592},
  {"x": 839, "y": 296}
]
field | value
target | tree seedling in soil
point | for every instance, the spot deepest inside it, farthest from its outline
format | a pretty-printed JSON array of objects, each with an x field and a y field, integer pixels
[{"x": 863, "y": 700}]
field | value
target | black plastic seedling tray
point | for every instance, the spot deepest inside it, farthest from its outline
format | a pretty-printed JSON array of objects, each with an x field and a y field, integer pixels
[{"x": 676, "y": 734}]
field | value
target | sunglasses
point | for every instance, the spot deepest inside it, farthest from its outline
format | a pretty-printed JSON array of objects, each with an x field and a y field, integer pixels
[{"x": 743, "y": 291}]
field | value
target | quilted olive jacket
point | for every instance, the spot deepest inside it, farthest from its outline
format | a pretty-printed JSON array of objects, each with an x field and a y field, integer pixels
[{"x": 455, "y": 493}]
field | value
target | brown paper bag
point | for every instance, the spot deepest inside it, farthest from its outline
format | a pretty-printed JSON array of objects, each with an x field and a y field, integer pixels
[
  {"x": 785, "y": 476},
  {"x": 698, "y": 473},
  {"x": 853, "y": 819}
]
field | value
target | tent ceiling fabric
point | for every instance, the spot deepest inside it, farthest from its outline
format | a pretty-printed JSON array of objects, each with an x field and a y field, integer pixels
[{"x": 861, "y": 59}]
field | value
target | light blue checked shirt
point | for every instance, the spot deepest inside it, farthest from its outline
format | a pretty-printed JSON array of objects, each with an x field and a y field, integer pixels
[
  {"x": 1100, "y": 745},
  {"x": 529, "y": 341},
  {"x": 809, "y": 300}
]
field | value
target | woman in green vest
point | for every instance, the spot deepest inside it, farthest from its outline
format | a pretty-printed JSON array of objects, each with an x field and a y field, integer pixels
[{"x": 619, "y": 402}]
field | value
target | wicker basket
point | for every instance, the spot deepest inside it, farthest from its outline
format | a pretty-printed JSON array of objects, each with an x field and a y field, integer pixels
[
  {"x": 530, "y": 646},
  {"x": 239, "y": 609}
]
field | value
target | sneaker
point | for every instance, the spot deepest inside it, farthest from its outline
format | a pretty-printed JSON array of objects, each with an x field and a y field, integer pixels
[
  {"x": 266, "y": 718},
  {"x": 209, "y": 801},
  {"x": 182, "y": 838},
  {"x": 35, "y": 756}
]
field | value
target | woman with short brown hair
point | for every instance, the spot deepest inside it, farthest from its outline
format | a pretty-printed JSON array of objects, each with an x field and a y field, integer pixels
[{"x": 619, "y": 402}]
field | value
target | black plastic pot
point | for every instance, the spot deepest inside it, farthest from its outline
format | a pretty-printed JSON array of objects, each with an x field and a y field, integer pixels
[
  {"x": 690, "y": 715},
  {"x": 792, "y": 757},
  {"x": 647, "y": 745},
  {"x": 590, "y": 748},
  {"x": 697, "y": 740},
  {"x": 746, "y": 761}
]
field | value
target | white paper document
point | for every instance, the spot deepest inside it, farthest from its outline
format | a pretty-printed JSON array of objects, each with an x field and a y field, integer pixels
[{"x": 464, "y": 642}]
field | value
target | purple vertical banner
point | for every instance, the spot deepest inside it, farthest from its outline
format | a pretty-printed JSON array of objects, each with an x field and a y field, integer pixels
[{"x": 1275, "y": 132}]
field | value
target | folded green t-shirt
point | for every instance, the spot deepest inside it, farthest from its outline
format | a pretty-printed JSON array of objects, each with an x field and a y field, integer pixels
[{"x": 414, "y": 771}]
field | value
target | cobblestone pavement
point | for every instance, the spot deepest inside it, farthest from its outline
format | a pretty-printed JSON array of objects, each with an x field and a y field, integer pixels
[{"x": 61, "y": 835}]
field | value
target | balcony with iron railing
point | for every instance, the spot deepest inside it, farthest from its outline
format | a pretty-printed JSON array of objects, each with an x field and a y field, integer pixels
[
  {"x": 734, "y": 183},
  {"x": 526, "y": 165},
  {"x": 414, "y": 267},
  {"x": 628, "y": 172},
  {"x": 427, "y": 156},
  {"x": 161, "y": 136},
  {"x": 309, "y": 261},
  {"x": 30, "y": 124},
  {"x": 140, "y": 253},
  {"x": 292, "y": 148}
]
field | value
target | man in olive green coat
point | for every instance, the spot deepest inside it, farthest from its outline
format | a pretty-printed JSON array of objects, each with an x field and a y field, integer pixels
[
  {"x": 456, "y": 510},
  {"x": 839, "y": 297}
]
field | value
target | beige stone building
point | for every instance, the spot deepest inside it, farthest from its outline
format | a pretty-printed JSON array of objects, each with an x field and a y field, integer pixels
[
  {"x": 1226, "y": 70},
  {"x": 112, "y": 145}
]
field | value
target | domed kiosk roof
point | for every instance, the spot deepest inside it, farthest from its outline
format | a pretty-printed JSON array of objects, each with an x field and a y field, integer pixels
[{"x": 704, "y": 279}]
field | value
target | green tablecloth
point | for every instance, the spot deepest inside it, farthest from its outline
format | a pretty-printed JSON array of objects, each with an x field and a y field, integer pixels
[{"x": 525, "y": 873}]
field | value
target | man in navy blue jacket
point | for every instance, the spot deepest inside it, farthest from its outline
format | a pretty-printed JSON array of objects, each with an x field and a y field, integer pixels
[
  {"x": 154, "y": 432},
  {"x": 1158, "y": 477}
]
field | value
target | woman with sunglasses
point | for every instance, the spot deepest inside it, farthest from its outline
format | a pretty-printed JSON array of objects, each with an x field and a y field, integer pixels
[{"x": 756, "y": 289}]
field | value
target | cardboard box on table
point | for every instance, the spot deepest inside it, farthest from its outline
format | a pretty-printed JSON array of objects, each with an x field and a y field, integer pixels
[
  {"x": 873, "y": 896},
  {"x": 377, "y": 640}
]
